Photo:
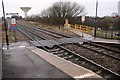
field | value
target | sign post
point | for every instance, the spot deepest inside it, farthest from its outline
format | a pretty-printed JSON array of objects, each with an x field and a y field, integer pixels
[
  {"x": 13, "y": 26},
  {"x": 5, "y": 26},
  {"x": 83, "y": 20}
]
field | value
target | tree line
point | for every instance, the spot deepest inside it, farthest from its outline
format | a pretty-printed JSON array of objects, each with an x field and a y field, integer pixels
[
  {"x": 59, "y": 11},
  {"x": 56, "y": 14},
  {"x": 105, "y": 23}
]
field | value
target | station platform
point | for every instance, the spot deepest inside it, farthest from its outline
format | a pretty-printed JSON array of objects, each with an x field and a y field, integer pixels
[
  {"x": 24, "y": 61},
  {"x": 95, "y": 39},
  {"x": 20, "y": 62}
]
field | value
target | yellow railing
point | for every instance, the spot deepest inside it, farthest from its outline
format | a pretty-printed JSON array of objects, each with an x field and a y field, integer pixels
[{"x": 82, "y": 28}]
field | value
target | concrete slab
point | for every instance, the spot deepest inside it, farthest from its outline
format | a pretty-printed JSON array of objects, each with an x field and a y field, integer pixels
[
  {"x": 51, "y": 43},
  {"x": 70, "y": 40},
  {"x": 34, "y": 43},
  {"x": 21, "y": 62},
  {"x": 46, "y": 42},
  {"x": 69, "y": 68}
]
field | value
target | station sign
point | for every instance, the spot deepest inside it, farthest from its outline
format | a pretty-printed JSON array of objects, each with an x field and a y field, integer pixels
[{"x": 13, "y": 23}]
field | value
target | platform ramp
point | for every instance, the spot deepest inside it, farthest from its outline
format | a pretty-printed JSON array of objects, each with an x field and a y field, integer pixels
[{"x": 51, "y": 43}]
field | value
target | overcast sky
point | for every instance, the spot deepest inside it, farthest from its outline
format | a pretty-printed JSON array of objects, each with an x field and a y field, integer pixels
[{"x": 105, "y": 7}]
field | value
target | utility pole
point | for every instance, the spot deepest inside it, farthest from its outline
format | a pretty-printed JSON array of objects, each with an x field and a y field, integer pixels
[
  {"x": 5, "y": 26},
  {"x": 95, "y": 26}
]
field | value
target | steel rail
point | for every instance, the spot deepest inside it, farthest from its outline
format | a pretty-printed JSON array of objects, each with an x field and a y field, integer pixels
[{"x": 96, "y": 50}]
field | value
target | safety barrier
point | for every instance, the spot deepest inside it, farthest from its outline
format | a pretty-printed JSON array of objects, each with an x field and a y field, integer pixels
[{"x": 82, "y": 28}]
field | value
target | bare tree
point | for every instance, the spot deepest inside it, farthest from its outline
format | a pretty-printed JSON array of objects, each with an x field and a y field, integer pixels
[
  {"x": 114, "y": 14},
  {"x": 61, "y": 10}
]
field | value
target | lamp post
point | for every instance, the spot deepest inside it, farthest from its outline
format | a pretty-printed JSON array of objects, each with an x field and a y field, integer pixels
[
  {"x": 95, "y": 26},
  {"x": 5, "y": 26}
]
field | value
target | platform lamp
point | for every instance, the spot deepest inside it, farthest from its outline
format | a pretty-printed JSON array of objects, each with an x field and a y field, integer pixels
[
  {"x": 95, "y": 25},
  {"x": 5, "y": 26}
]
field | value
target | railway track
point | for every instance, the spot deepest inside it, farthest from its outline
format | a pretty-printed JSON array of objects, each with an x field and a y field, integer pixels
[
  {"x": 48, "y": 32},
  {"x": 82, "y": 61},
  {"x": 103, "y": 50},
  {"x": 92, "y": 46},
  {"x": 74, "y": 57},
  {"x": 111, "y": 47}
]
